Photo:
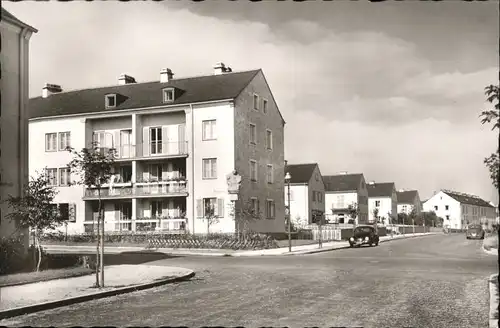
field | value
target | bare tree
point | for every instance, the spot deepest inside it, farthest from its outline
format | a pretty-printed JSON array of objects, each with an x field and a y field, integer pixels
[
  {"x": 94, "y": 165},
  {"x": 210, "y": 215},
  {"x": 353, "y": 210},
  {"x": 245, "y": 214},
  {"x": 35, "y": 209}
]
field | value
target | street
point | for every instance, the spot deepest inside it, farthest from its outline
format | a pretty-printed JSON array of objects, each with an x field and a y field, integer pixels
[{"x": 433, "y": 281}]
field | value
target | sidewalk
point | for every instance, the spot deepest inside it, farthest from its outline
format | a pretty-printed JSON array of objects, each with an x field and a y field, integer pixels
[
  {"x": 296, "y": 250},
  {"x": 119, "y": 279},
  {"x": 490, "y": 245}
]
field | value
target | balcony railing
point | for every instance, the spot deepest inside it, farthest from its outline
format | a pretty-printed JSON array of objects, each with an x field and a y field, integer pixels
[
  {"x": 140, "y": 189},
  {"x": 154, "y": 149}
]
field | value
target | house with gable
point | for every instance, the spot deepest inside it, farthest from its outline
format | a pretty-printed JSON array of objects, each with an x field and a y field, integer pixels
[
  {"x": 307, "y": 193},
  {"x": 409, "y": 200},
  {"x": 176, "y": 140},
  {"x": 460, "y": 209},
  {"x": 343, "y": 191},
  {"x": 383, "y": 199}
]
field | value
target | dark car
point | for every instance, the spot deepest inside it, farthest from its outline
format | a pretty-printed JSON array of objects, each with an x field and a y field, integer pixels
[
  {"x": 364, "y": 235},
  {"x": 475, "y": 231}
]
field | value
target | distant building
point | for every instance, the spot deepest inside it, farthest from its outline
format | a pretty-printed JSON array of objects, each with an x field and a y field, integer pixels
[
  {"x": 341, "y": 192},
  {"x": 176, "y": 140},
  {"x": 383, "y": 198},
  {"x": 409, "y": 200},
  {"x": 14, "y": 87},
  {"x": 460, "y": 209},
  {"x": 307, "y": 192}
]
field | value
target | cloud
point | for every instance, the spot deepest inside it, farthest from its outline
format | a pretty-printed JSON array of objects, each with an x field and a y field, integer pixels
[{"x": 356, "y": 98}]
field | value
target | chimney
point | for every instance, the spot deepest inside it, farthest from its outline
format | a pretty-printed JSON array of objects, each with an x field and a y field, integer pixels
[
  {"x": 125, "y": 79},
  {"x": 220, "y": 68},
  {"x": 371, "y": 182},
  {"x": 342, "y": 173},
  {"x": 286, "y": 163},
  {"x": 49, "y": 89},
  {"x": 401, "y": 190},
  {"x": 166, "y": 75}
]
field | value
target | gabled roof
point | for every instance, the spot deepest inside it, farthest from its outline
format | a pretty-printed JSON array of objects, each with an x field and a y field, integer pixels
[
  {"x": 342, "y": 182},
  {"x": 407, "y": 196},
  {"x": 384, "y": 189},
  {"x": 140, "y": 95},
  {"x": 301, "y": 173},
  {"x": 14, "y": 20},
  {"x": 467, "y": 199}
]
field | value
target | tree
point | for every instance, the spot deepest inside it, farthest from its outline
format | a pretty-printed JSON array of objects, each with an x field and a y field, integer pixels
[
  {"x": 353, "y": 211},
  {"x": 375, "y": 214},
  {"x": 402, "y": 218},
  {"x": 493, "y": 116},
  {"x": 210, "y": 215},
  {"x": 94, "y": 165},
  {"x": 35, "y": 208},
  {"x": 245, "y": 214}
]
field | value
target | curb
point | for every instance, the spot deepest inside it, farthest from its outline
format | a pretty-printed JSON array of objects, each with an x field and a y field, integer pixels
[
  {"x": 89, "y": 297},
  {"x": 494, "y": 295}
]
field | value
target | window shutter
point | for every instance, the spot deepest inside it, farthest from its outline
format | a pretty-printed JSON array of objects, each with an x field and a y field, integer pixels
[
  {"x": 117, "y": 212},
  {"x": 116, "y": 143},
  {"x": 145, "y": 142},
  {"x": 199, "y": 208},
  {"x": 182, "y": 139},
  {"x": 258, "y": 207},
  {"x": 165, "y": 140},
  {"x": 220, "y": 207},
  {"x": 164, "y": 211}
]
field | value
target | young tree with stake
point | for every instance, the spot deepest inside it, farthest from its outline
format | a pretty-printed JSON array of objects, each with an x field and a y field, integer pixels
[
  {"x": 94, "y": 165},
  {"x": 35, "y": 208}
]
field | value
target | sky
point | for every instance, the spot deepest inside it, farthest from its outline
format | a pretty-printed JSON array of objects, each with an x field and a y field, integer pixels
[{"x": 391, "y": 90}]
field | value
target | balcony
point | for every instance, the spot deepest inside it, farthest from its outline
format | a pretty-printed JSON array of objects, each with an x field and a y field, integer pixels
[
  {"x": 139, "y": 190},
  {"x": 162, "y": 149}
]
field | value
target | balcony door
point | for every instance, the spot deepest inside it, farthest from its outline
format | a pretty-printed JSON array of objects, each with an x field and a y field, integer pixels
[
  {"x": 156, "y": 140},
  {"x": 125, "y": 148}
]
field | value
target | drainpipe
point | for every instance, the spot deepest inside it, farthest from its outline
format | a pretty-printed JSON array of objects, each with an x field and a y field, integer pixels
[{"x": 192, "y": 171}]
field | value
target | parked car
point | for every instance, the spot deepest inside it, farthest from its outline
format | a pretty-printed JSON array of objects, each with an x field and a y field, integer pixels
[
  {"x": 364, "y": 235},
  {"x": 475, "y": 231}
]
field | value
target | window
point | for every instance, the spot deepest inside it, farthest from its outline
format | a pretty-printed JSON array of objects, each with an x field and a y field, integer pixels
[
  {"x": 52, "y": 177},
  {"x": 269, "y": 139},
  {"x": 64, "y": 176},
  {"x": 110, "y": 101},
  {"x": 51, "y": 142},
  {"x": 269, "y": 174},
  {"x": 264, "y": 106},
  {"x": 64, "y": 140},
  {"x": 253, "y": 170},
  {"x": 209, "y": 168},
  {"x": 270, "y": 209},
  {"x": 254, "y": 203},
  {"x": 435, "y": 208},
  {"x": 446, "y": 207},
  {"x": 209, "y": 132},
  {"x": 155, "y": 172},
  {"x": 64, "y": 211},
  {"x": 168, "y": 95},
  {"x": 209, "y": 207},
  {"x": 314, "y": 196},
  {"x": 99, "y": 138},
  {"x": 156, "y": 140},
  {"x": 377, "y": 203},
  {"x": 255, "y": 102},
  {"x": 156, "y": 209},
  {"x": 447, "y": 217},
  {"x": 253, "y": 134},
  {"x": 404, "y": 208}
]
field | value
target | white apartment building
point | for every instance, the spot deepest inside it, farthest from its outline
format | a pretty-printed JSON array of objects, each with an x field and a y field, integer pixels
[
  {"x": 307, "y": 193},
  {"x": 176, "y": 140},
  {"x": 344, "y": 190},
  {"x": 14, "y": 88},
  {"x": 383, "y": 198},
  {"x": 459, "y": 209},
  {"x": 408, "y": 200}
]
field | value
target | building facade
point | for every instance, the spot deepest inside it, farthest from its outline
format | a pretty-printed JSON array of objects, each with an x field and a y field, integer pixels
[
  {"x": 14, "y": 88},
  {"x": 409, "y": 200},
  {"x": 343, "y": 191},
  {"x": 459, "y": 209},
  {"x": 382, "y": 198},
  {"x": 176, "y": 140},
  {"x": 307, "y": 193}
]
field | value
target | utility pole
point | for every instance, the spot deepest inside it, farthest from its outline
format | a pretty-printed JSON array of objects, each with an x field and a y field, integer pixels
[
  {"x": 320, "y": 224},
  {"x": 288, "y": 177}
]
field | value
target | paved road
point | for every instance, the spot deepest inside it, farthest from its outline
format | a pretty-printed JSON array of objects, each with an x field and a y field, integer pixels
[{"x": 433, "y": 281}]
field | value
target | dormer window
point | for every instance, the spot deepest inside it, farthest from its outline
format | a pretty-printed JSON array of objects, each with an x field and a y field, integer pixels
[
  {"x": 168, "y": 95},
  {"x": 110, "y": 101}
]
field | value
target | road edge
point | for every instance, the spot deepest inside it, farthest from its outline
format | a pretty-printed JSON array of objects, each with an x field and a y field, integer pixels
[
  {"x": 494, "y": 295},
  {"x": 9, "y": 313}
]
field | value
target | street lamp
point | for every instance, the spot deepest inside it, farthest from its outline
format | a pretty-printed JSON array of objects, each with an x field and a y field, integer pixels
[{"x": 288, "y": 177}]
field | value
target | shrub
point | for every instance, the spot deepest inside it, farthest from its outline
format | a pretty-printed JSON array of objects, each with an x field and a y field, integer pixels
[{"x": 11, "y": 254}]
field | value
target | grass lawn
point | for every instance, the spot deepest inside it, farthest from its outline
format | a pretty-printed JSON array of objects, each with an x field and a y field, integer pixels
[{"x": 29, "y": 277}]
